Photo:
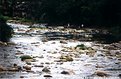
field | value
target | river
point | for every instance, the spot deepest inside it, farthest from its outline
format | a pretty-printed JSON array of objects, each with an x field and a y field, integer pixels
[{"x": 50, "y": 49}]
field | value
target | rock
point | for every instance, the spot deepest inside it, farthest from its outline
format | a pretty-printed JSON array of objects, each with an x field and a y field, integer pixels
[
  {"x": 47, "y": 76},
  {"x": 28, "y": 63},
  {"x": 10, "y": 43},
  {"x": 46, "y": 69},
  {"x": 69, "y": 58},
  {"x": 44, "y": 40},
  {"x": 3, "y": 43},
  {"x": 24, "y": 57},
  {"x": 13, "y": 69},
  {"x": 119, "y": 75},
  {"x": 81, "y": 47},
  {"x": 98, "y": 66},
  {"x": 53, "y": 43},
  {"x": 28, "y": 60},
  {"x": 2, "y": 68},
  {"x": 19, "y": 53},
  {"x": 66, "y": 58},
  {"x": 101, "y": 73},
  {"x": 115, "y": 52},
  {"x": 21, "y": 76},
  {"x": 47, "y": 63},
  {"x": 15, "y": 65},
  {"x": 64, "y": 42},
  {"x": 27, "y": 67},
  {"x": 65, "y": 72},
  {"x": 38, "y": 66},
  {"x": 117, "y": 45}
]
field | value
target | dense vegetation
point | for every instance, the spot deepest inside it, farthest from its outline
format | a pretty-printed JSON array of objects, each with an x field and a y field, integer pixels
[
  {"x": 76, "y": 12},
  {"x": 5, "y": 30}
]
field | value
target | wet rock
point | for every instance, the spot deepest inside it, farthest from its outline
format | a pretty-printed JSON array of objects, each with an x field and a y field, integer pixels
[
  {"x": 24, "y": 57},
  {"x": 21, "y": 76},
  {"x": 27, "y": 67},
  {"x": 13, "y": 69},
  {"x": 66, "y": 58},
  {"x": 87, "y": 64},
  {"x": 63, "y": 42},
  {"x": 38, "y": 66},
  {"x": 65, "y": 72},
  {"x": 81, "y": 47},
  {"x": 10, "y": 43},
  {"x": 44, "y": 40},
  {"x": 98, "y": 66},
  {"x": 46, "y": 70},
  {"x": 19, "y": 53},
  {"x": 3, "y": 43},
  {"x": 119, "y": 75},
  {"x": 110, "y": 47},
  {"x": 53, "y": 43},
  {"x": 28, "y": 60},
  {"x": 101, "y": 73},
  {"x": 2, "y": 68},
  {"x": 47, "y": 76},
  {"x": 117, "y": 45},
  {"x": 41, "y": 56},
  {"x": 28, "y": 63},
  {"x": 114, "y": 52},
  {"x": 47, "y": 63}
]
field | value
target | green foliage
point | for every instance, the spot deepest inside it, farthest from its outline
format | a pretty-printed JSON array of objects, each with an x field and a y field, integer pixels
[
  {"x": 116, "y": 32},
  {"x": 5, "y": 30},
  {"x": 24, "y": 57},
  {"x": 7, "y": 17},
  {"x": 61, "y": 12},
  {"x": 82, "y": 47}
]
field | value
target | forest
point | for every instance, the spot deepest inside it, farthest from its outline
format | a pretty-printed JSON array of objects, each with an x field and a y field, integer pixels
[{"x": 104, "y": 13}]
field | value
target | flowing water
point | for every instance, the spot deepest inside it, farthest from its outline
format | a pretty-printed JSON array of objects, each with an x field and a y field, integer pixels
[{"x": 29, "y": 41}]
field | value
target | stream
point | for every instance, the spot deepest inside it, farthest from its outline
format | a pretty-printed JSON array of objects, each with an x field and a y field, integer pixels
[{"x": 55, "y": 56}]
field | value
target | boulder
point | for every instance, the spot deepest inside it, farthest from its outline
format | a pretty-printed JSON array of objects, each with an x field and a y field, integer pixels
[
  {"x": 65, "y": 72},
  {"x": 101, "y": 73},
  {"x": 46, "y": 70},
  {"x": 2, "y": 68},
  {"x": 47, "y": 76},
  {"x": 27, "y": 67},
  {"x": 63, "y": 42},
  {"x": 24, "y": 57}
]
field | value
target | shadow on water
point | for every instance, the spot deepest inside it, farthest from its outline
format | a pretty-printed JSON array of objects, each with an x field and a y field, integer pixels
[
  {"x": 7, "y": 59},
  {"x": 106, "y": 38},
  {"x": 99, "y": 37},
  {"x": 66, "y": 36}
]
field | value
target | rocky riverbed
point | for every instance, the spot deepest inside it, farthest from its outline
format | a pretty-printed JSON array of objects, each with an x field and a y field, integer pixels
[{"x": 58, "y": 53}]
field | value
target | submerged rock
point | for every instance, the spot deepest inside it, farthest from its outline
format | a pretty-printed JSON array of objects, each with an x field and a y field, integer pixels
[
  {"x": 13, "y": 69},
  {"x": 101, "y": 73},
  {"x": 66, "y": 58},
  {"x": 46, "y": 70},
  {"x": 47, "y": 76},
  {"x": 119, "y": 75},
  {"x": 2, "y": 68},
  {"x": 24, "y": 57},
  {"x": 65, "y": 72},
  {"x": 63, "y": 42},
  {"x": 27, "y": 67}
]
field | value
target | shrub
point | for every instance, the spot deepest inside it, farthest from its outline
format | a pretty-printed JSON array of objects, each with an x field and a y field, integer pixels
[{"x": 5, "y": 30}]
